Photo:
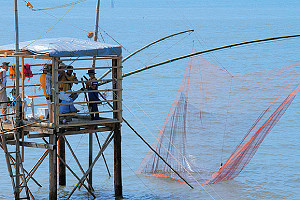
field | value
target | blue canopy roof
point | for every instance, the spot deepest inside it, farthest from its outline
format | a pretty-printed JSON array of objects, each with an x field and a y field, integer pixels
[{"x": 67, "y": 47}]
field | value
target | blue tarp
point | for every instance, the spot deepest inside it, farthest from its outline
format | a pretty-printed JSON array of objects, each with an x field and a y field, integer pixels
[{"x": 67, "y": 47}]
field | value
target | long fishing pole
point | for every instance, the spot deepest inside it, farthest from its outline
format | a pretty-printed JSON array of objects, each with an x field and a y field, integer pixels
[
  {"x": 206, "y": 51},
  {"x": 144, "y": 47},
  {"x": 152, "y": 43}
]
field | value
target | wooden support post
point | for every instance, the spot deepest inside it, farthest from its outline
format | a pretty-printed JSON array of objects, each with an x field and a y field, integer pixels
[
  {"x": 116, "y": 76},
  {"x": 23, "y": 83},
  {"x": 52, "y": 169},
  {"x": 52, "y": 137},
  {"x": 18, "y": 116},
  {"x": 61, "y": 167},
  {"x": 117, "y": 161},
  {"x": 90, "y": 179},
  {"x": 23, "y": 111},
  {"x": 55, "y": 93}
]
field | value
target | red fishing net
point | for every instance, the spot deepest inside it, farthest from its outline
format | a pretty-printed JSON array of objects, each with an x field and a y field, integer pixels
[{"x": 218, "y": 121}]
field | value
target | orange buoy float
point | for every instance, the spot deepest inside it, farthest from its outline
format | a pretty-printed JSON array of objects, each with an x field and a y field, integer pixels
[
  {"x": 29, "y": 5},
  {"x": 90, "y": 35}
]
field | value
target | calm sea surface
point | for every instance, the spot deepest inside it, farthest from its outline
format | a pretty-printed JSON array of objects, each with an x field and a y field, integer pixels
[{"x": 273, "y": 173}]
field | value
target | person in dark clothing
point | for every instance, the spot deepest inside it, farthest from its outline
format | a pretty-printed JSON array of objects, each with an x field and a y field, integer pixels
[{"x": 93, "y": 96}]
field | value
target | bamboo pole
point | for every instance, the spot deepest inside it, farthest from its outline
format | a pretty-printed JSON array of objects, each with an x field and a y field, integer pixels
[
  {"x": 203, "y": 52},
  {"x": 207, "y": 51},
  {"x": 105, "y": 74},
  {"x": 146, "y": 46},
  {"x": 156, "y": 41}
]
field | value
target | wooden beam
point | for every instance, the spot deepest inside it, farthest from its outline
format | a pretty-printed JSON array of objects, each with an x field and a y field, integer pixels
[
  {"x": 84, "y": 131},
  {"x": 97, "y": 58},
  {"x": 33, "y": 144},
  {"x": 40, "y": 124},
  {"x": 88, "y": 81},
  {"x": 85, "y": 68},
  {"x": 87, "y": 91},
  {"x": 94, "y": 122},
  {"x": 82, "y": 102},
  {"x": 38, "y": 129},
  {"x": 85, "y": 113},
  {"x": 37, "y": 135},
  {"x": 24, "y": 86}
]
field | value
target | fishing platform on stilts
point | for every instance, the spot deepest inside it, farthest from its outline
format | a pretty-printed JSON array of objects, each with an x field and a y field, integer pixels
[{"x": 54, "y": 130}]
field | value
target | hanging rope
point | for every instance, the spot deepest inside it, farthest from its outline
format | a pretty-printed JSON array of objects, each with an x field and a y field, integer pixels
[
  {"x": 49, "y": 28},
  {"x": 30, "y": 6}
]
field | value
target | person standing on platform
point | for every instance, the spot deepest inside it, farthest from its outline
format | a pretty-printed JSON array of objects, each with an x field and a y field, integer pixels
[
  {"x": 48, "y": 84},
  {"x": 68, "y": 76},
  {"x": 3, "y": 95},
  {"x": 65, "y": 94},
  {"x": 93, "y": 96}
]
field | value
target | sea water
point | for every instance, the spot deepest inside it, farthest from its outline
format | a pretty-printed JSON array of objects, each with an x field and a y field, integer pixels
[{"x": 273, "y": 173}]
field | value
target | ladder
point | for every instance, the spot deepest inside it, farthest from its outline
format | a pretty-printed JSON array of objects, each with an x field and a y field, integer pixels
[{"x": 21, "y": 190}]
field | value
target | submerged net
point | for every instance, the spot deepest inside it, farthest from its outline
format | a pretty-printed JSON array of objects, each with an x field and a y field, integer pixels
[{"x": 218, "y": 121}]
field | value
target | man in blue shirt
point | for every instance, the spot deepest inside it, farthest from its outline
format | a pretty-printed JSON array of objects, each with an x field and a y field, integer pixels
[{"x": 93, "y": 96}]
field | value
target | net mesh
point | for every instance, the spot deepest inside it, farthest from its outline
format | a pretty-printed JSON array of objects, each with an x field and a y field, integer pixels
[{"x": 219, "y": 117}]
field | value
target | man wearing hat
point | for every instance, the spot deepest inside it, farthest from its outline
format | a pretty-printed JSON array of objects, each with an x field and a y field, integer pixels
[
  {"x": 67, "y": 76},
  {"x": 93, "y": 96},
  {"x": 3, "y": 96}
]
